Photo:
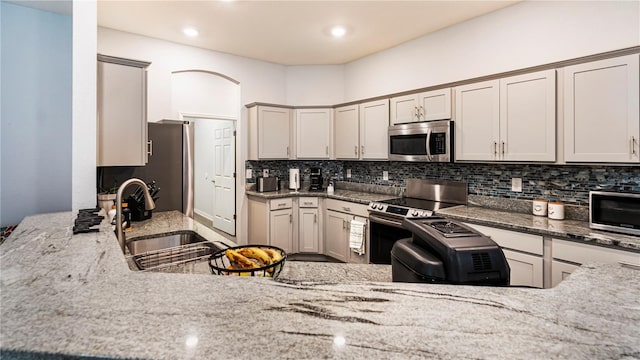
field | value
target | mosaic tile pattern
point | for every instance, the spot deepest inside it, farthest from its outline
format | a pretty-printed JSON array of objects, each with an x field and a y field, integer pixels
[{"x": 567, "y": 183}]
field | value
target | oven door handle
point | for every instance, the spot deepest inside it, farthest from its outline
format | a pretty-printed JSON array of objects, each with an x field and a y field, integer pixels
[
  {"x": 429, "y": 146},
  {"x": 384, "y": 221}
]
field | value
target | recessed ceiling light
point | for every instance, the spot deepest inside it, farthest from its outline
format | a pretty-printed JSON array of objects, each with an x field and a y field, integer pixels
[
  {"x": 190, "y": 32},
  {"x": 338, "y": 31}
]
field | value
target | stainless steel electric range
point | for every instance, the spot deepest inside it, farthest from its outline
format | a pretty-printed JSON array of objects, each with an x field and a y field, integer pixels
[{"x": 423, "y": 198}]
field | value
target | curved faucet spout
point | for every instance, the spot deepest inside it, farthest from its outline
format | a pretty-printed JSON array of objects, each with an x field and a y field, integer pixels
[{"x": 149, "y": 204}]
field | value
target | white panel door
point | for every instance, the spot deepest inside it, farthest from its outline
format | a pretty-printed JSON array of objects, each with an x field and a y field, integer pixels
[
  {"x": 346, "y": 132},
  {"x": 313, "y": 131},
  {"x": 435, "y": 105},
  {"x": 526, "y": 269},
  {"x": 528, "y": 117},
  {"x": 374, "y": 130},
  {"x": 281, "y": 229},
  {"x": 404, "y": 109},
  {"x": 274, "y": 126},
  {"x": 308, "y": 230},
  {"x": 477, "y": 121},
  {"x": 601, "y": 111},
  {"x": 224, "y": 203}
]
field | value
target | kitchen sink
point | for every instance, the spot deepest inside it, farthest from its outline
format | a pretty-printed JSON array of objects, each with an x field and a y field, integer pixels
[{"x": 170, "y": 252}]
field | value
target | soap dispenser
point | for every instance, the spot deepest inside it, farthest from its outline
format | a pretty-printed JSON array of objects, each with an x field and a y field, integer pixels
[{"x": 330, "y": 188}]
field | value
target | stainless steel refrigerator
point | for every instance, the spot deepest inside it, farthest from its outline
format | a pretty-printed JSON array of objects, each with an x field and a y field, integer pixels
[{"x": 170, "y": 165}]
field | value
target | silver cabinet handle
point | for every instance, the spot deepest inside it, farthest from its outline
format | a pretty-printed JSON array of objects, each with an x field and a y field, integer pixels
[
  {"x": 327, "y": 150},
  {"x": 315, "y": 218},
  {"x": 355, "y": 150},
  {"x": 287, "y": 151},
  {"x": 344, "y": 224},
  {"x": 346, "y": 208},
  {"x": 415, "y": 112},
  {"x": 290, "y": 218},
  {"x": 362, "y": 149},
  {"x": 421, "y": 113},
  {"x": 282, "y": 205},
  {"x": 503, "y": 148},
  {"x": 150, "y": 146},
  {"x": 633, "y": 145},
  {"x": 495, "y": 148}
]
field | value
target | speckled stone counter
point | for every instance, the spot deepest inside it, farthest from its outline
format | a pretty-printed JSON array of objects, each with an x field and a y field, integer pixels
[
  {"x": 571, "y": 229},
  {"x": 74, "y": 294},
  {"x": 340, "y": 194}
]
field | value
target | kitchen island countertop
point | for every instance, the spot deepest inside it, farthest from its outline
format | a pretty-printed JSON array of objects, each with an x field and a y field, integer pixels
[{"x": 75, "y": 295}]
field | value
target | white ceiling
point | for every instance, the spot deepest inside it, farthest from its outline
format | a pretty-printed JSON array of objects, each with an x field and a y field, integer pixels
[{"x": 291, "y": 32}]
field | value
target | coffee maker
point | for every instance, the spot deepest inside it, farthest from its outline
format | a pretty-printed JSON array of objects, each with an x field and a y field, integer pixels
[{"x": 316, "y": 179}]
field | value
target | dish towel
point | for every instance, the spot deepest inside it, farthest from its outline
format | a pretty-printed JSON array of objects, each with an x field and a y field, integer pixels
[{"x": 356, "y": 237}]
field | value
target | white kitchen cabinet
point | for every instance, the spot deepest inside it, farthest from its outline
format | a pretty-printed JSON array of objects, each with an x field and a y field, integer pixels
[
  {"x": 601, "y": 111},
  {"x": 122, "y": 105},
  {"x": 477, "y": 121},
  {"x": 569, "y": 255},
  {"x": 337, "y": 230},
  {"x": 308, "y": 225},
  {"x": 510, "y": 119},
  {"x": 361, "y": 131},
  {"x": 346, "y": 132},
  {"x": 528, "y": 117},
  {"x": 425, "y": 106},
  {"x": 271, "y": 222},
  {"x": 374, "y": 130},
  {"x": 313, "y": 127},
  {"x": 524, "y": 254},
  {"x": 270, "y": 134}
]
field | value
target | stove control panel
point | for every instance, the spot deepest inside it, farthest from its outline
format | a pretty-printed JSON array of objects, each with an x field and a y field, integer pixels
[{"x": 399, "y": 211}]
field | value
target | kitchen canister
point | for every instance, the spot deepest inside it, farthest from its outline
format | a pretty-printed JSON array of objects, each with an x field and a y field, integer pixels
[
  {"x": 556, "y": 210},
  {"x": 540, "y": 207}
]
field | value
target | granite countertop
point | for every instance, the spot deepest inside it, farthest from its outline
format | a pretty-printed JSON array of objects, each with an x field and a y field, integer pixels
[
  {"x": 74, "y": 295},
  {"x": 571, "y": 229},
  {"x": 355, "y": 196}
]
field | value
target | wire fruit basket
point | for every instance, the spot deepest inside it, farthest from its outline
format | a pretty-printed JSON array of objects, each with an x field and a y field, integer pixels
[{"x": 220, "y": 262}]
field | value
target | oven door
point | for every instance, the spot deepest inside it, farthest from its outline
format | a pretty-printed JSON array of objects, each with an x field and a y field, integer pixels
[
  {"x": 384, "y": 231},
  {"x": 426, "y": 141}
]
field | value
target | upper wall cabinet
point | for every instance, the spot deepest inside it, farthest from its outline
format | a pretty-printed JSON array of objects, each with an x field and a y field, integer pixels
[
  {"x": 510, "y": 119},
  {"x": 122, "y": 105},
  {"x": 270, "y": 132},
  {"x": 601, "y": 116},
  {"x": 313, "y": 127},
  {"x": 361, "y": 131},
  {"x": 430, "y": 105}
]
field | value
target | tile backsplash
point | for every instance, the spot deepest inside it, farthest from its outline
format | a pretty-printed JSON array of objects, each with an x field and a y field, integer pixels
[{"x": 568, "y": 183}]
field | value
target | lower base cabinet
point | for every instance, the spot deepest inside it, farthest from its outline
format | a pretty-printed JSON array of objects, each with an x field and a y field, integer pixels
[
  {"x": 523, "y": 252},
  {"x": 309, "y": 226},
  {"x": 337, "y": 230},
  {"x": 271, "y": 223},
  {"x": 560, "y": 271},
  {"x": 281, "y": 229}
]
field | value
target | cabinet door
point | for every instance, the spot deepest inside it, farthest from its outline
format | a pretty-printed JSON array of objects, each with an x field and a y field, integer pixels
[
  {"x": 601, "y": 111},
  {"x": 477, "y": 121},
  {"x": 528, "y": 117},
  {"x": 560, "y": 271},
  {"x": 435, "y": 105},
  {"x": 314, "y": 131},
  {"x": 308, "y": 230},
  {"x": 374, "y": 130},
  {"x": 335, "y": 243},
  {"x": 404, "y": 109},
  {"x": 525, "y": 269},
  {"x": 122, "y": 123},
  {"x": 353, "y": 257},
  {"x": 346, "y": 132},
  {"x": 281, "y": 229},
  {"x": 274, "y": 132}
]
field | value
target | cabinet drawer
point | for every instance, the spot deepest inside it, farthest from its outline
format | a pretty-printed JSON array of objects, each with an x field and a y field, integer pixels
[
  {"x": 308, "y": 202},
  {"x": 513, "y": 240},
  {"x": 584, "y": 253},
  {"x": 347, "y": 207},
  {"x": 278, "y": 204}
]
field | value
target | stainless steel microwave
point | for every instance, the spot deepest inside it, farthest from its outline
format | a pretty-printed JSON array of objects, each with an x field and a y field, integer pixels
[
  {"x": 430, "y": 141},
  {"x": 614, "y": 211}
]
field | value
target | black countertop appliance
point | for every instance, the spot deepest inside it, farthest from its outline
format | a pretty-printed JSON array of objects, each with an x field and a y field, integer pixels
[
  {"x": 444, "y": 251},
  {"x": 316, "y": 179}
]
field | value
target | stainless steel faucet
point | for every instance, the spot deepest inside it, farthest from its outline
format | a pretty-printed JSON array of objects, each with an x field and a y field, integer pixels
[{"x": 148, "y": 204}]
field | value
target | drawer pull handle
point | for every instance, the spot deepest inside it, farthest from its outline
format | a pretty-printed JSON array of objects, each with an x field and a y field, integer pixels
[
  {"x": 629, "y": 265},
  {"x": 282, "y": 205},
  {"x": 633, "y": 145}
]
